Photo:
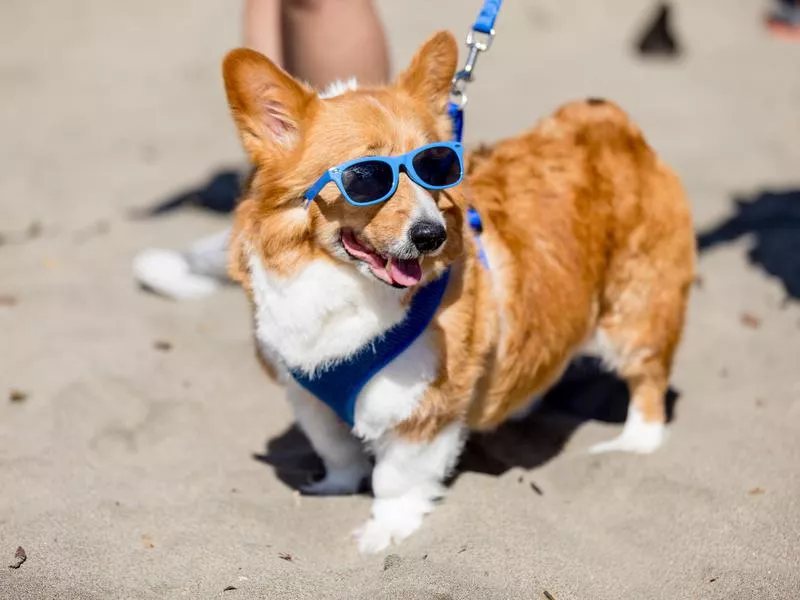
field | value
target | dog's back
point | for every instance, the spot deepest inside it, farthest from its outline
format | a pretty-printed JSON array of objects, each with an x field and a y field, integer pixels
[{"x": 586, "y": 230}]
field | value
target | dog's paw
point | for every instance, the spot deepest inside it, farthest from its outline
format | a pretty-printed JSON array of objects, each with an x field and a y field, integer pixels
[
  {"x": 375, "y": 536},
  {"x": 640, "y": 438},
  {"x": 338, "y": 482},
  {"x": 393, "y": 520}
]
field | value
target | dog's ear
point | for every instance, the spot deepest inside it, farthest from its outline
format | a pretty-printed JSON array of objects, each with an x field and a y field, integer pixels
[
  {"x": 431, "y": 71},
  {"x": 267, "y": 104}
]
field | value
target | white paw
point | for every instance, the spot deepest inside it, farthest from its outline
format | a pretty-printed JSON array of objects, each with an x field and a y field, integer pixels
[
  {"x": 338, "y": 482},
  {"x": 393, "y": 520},
  {"x": 375, "y": 536},
  {"x": 638, "y": 437}
]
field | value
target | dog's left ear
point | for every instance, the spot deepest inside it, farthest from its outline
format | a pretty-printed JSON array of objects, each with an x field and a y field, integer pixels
[{"x": 431, "y": 71}]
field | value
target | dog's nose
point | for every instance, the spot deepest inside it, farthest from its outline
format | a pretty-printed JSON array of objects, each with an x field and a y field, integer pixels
[{"x": 427, "y": 236}]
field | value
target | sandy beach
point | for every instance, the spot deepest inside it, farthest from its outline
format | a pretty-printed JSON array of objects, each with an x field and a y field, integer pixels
[{"x": 145, "y": 455}]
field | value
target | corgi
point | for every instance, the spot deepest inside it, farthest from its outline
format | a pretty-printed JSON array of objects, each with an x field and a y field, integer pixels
[{"x": 586, "y": 235}]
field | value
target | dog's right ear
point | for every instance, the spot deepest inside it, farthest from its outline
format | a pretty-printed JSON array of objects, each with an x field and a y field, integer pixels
[{"x": 267, "y": 104}]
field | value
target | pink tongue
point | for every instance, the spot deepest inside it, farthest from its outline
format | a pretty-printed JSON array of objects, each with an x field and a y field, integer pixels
[
  {"x": 401, "y": 272},
  {"x": 359, "y": 250},
  {"x": 405, "y": 272}
]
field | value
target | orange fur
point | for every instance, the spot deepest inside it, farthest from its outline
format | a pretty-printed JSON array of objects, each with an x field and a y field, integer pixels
[{"x": 585, "y": 227}]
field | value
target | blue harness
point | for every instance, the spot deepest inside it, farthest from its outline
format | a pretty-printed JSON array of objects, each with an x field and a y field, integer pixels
[{"x": 339, "y": 384}]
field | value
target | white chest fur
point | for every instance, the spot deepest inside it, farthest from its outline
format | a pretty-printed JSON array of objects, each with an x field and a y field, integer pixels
[{"x": 327, "y": 312}]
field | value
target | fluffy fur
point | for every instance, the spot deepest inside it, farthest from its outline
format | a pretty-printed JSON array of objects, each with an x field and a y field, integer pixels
[{"x": 586, "y": 230}]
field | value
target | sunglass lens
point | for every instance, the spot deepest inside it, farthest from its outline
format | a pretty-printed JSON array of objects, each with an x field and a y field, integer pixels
[
  {"x": 438, "y": 166},
  {"x": 367, "y": 181}
]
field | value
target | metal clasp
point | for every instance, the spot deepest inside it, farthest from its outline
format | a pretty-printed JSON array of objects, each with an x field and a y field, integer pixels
[
  {"x": 477, "y": 42},
  {"x": 482, "y": 41}
]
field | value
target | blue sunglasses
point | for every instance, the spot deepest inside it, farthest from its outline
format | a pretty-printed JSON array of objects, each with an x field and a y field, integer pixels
[{"x": 373, "y": 179}]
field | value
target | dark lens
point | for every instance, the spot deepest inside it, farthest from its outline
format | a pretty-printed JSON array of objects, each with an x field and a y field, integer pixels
[
  {"x": 438, "y": 166},
  {"x": 367, "y": 181}
]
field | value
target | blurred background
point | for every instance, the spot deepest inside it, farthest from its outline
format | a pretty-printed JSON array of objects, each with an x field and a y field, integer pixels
[{"x": 129, "y": 424}]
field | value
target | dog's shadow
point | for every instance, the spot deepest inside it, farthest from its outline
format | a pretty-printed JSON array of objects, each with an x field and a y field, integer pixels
[{"x": 585, "y": 392}]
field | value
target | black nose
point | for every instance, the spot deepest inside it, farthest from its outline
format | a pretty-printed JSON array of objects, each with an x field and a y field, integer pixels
[{"x": 427, "y": 236}]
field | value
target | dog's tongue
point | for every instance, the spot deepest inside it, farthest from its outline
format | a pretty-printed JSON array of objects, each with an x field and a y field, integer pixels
[
  {"x": 359, "y": 250},
  {"x": 404, "y": 272},
  {"x": 395, "y": 271}
]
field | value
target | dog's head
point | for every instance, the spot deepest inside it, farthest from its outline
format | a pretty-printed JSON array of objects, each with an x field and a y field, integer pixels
[{"x": 293, "y": 136}]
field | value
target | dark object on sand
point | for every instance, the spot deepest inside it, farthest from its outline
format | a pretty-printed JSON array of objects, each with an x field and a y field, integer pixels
[
  {"x": 162, "y": 345},
  {"x": 392, "y": 561},
  {"x": 659, "y": 37},
  {"x": 219, "y": 194},
  {"x": 17, "y": 396},
  {"x": 750, "y": 320},
  {"x": 7, "y": 300},
  {"x": 19, "y": 558}
]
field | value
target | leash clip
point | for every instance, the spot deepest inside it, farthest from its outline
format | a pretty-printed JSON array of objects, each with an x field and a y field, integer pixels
[
  {"x": 481, "y": 41},
  {"x": 477, "y": 42}
]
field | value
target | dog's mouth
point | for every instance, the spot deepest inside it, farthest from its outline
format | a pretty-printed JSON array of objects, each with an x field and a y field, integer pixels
[{"x": 397, "y": 272}]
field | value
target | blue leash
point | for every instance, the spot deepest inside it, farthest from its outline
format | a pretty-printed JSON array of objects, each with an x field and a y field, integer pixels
[
  {"x": 338, "y": 385},
  {"x": 479, "y": 39},
  {"x": 488, "y": 15}
]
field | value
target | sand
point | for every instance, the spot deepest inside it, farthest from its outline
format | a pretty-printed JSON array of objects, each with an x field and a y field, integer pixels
[{"x": 151, "y": 458}]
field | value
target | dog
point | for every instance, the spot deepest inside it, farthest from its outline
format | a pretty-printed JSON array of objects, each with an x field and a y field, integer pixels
[{"x": 586, "y": 235}]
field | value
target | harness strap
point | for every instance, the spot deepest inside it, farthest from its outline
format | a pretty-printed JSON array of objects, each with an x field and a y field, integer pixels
[
  {"x": 475, "y": 223},
  {"x": 339, "y": 384}
]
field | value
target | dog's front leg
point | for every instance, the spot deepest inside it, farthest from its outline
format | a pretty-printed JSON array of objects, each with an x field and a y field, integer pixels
[
  {"x": 346, "y": 464},
  {"x": 406, "y": 481}
]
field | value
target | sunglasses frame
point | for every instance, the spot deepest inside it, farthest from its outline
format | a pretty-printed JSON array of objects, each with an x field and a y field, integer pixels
[{"x": 402, "y": 162}]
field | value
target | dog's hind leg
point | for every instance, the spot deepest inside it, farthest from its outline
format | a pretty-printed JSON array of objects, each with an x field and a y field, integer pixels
[
  {"x": 346, "y": 464},
  {"x": 643, "y": 303},
  {"x": 639, "y": 335},
  {"x": 406, "y": 481},
  {"x": 644, "y": 428}
]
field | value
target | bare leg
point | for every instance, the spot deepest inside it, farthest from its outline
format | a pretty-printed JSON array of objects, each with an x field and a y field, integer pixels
[
  {"x": 329, "y": 40},
  {"x": 261, "y": 28},
  {"x": 319, "y": 41}
]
